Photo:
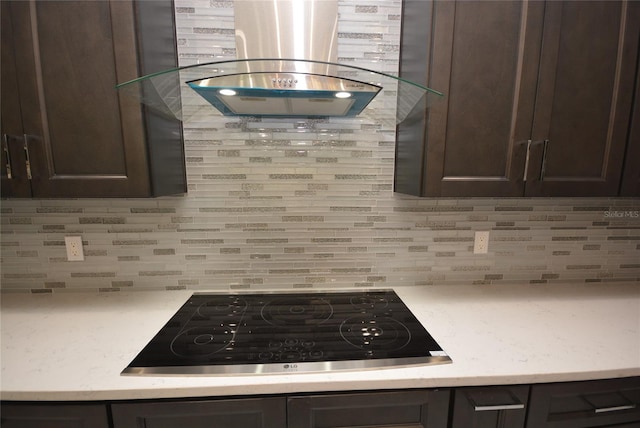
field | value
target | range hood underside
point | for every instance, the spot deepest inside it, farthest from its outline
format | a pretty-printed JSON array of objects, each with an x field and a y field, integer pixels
[{"x": 285, "y": 94}]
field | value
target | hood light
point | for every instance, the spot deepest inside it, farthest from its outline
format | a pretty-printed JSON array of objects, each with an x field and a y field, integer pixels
[
  {"x": 343, "y": 94},
  {"x": 227, "y": 92}
]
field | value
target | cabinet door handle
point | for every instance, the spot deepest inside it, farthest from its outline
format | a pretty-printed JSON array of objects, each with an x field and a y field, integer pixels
[
  {"x": 530, "y": 143},
  {"x": 5, "y": 149},
  {"x": 496, "y": 407},
  {"x": 526, "y": 161},
  {"x": 26, "y": 155},
  {"x": 544, "y": 159},
  {"x": 615, "y": 408}
]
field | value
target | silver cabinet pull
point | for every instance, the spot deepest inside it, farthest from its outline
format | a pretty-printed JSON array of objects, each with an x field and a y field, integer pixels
[
  {"x": 621, "y": 403},
  {"x": 5, "y": 148},
  {"x": 509, "y": 402},
  {"x": 26, "y": 155},
  {"x": 496, "y": 407},
  {"x": 544, "y": 159},
  {"x": 526, "y": 161},
  {"x": 615, "y": 408},
  {"x": 530, "y": 143}
]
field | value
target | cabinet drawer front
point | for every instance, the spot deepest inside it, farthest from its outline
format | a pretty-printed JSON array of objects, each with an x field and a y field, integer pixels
[
  {"x": 54, "y": 416},
  {"x": 240, "y": 413},
  {"x": 406, "y": 409},
  {"x": 585, "y": 404},
  {"x": 494, "y": 406}
]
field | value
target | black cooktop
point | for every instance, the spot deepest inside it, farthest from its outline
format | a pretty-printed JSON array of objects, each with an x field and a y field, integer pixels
[{"x": 286, "y": 332}]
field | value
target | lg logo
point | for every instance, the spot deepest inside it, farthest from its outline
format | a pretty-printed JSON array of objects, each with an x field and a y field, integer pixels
[{"x": 290, "y": 367}]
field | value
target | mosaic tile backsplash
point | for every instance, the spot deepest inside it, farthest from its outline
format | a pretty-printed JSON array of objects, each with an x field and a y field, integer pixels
[{"x": 308, "y": 203}]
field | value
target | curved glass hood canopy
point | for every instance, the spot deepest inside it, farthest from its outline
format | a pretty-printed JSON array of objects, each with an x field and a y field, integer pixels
[{"x": 285, "y": 88}]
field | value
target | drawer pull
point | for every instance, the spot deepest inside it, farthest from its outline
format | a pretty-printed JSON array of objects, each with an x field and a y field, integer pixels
[
  {"x": 615, "y": 408},
  {"x": 498, "y": 407},
  {"x": 483, "y": 401}
]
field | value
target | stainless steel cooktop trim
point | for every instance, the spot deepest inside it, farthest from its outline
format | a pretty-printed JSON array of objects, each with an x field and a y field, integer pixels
[
  {"x": 285, "y": 368},
  {"x": 296, "y": 291}
]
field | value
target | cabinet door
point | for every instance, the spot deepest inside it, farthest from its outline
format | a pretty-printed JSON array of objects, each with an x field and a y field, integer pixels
[
  {"x": 584, "y": 97},
  {"x": 53, "y": 416},
  {"x": 538, "y": 99},
  {"x": 406, "y": 409},
  {"x": 490, "y": 407},
  {"x": 240, "y": 413},
  {"x": 14, "y": 172},
  {"x": 605, "y": 403},
  {"x": 84, "y": 139},
  {"x": 631, "y": 176},
  {"x": 484, "y": 58}
]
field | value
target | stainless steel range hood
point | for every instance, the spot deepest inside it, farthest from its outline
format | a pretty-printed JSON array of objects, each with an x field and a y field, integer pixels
[
  {"x": 286, "y": 67},
  {"x": 298, "y": 29}
]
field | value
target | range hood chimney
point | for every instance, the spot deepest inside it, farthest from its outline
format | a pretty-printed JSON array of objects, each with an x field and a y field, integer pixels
[{"x": 302, "y": 30}]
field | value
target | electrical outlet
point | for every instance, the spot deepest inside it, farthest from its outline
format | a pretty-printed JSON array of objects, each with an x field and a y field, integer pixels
[
  {"x": 74, "y": 248},
  {"x": 481, "y": 242}
]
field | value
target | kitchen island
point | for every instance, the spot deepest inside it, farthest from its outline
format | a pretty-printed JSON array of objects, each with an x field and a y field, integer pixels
[{"x": 73, "y": 346}]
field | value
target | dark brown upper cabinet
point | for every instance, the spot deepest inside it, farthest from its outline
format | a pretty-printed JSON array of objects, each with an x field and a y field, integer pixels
[
  {"x": 538, "y": 98},
  {"x": 631, "y": 172},
  {"x": 66, "y": 131}
]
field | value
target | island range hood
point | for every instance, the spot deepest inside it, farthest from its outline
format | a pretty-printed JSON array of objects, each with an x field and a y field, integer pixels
[{"x": 304, "y": 30}]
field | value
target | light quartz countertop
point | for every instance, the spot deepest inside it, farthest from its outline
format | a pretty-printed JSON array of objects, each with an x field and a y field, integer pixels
[{"x": 74, "y": 346}]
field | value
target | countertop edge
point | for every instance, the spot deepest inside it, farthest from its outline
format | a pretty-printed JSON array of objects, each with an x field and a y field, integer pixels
[{"x": 312, "y": 387}]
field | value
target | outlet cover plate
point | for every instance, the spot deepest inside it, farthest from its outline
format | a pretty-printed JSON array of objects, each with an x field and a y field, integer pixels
[
  {"x": 73, "y": 245},
  {"x": 481, "y": 242}
]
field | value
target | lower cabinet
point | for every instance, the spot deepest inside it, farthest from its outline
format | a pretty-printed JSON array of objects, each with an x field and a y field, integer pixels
[
  {"x": 27, "y": 415},
  {"x": 599, "y": 404},
  {"x": 401, "y": 409},
  {"x": 240, "y": 413},
  {"x": 602, "y": 403},
  {"x": 490, "y": 407}
]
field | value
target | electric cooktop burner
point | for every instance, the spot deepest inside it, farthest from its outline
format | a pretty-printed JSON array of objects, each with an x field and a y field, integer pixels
[{"x": 284, "y": 332}]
